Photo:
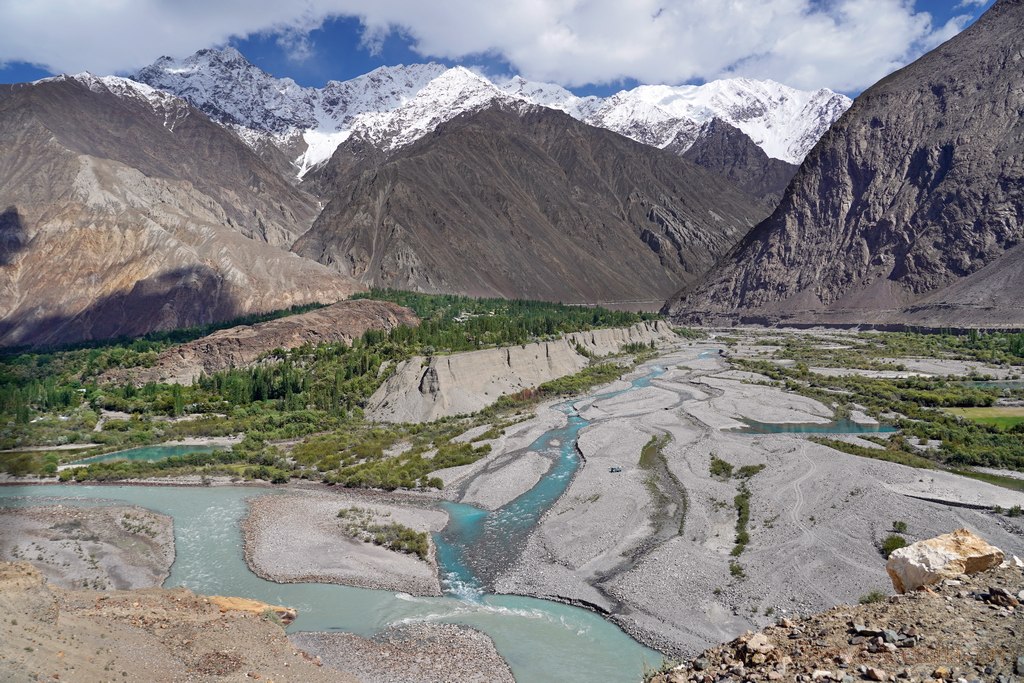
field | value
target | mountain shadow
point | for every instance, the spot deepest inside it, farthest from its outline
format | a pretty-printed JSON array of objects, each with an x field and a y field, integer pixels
[
  {"x": 13, "y": 237},
  {"x": 184, "y": 297}
]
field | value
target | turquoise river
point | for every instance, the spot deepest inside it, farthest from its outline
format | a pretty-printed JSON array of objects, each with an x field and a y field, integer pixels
[{"x": 541, "y": 640}]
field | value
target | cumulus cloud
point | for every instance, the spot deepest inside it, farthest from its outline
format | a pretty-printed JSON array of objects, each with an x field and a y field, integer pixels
[{"x": 842, "y": 44}]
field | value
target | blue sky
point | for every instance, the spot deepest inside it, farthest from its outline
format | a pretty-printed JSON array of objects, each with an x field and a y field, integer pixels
[{"x": 842, "y": 44}]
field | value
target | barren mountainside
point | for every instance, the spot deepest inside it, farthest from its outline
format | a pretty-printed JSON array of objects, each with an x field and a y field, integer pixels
[
  {"x": 728, "y": 152},
  {"x": 522, "y": 201},
  {"x": 910, "y": 209},
  {"x": 124, "y": 210}
]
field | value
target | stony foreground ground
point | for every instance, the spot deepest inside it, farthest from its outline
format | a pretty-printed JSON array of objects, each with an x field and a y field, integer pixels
[
  {"x": 966, "y": 629},
  {"x": 52, "y": 634}
]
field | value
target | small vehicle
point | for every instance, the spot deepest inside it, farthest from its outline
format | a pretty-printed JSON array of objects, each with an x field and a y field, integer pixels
[{"x": 615, "y": 469}]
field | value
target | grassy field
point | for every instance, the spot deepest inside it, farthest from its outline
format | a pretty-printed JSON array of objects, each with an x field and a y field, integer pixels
[
  {"x": 1004, "y": 417},
  {"x": 961, "y": 420}
]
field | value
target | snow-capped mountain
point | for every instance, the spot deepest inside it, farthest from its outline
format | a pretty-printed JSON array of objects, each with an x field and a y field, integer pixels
[
  {"x": 172, "y": 107},
  {"x": 395, "y": 105},
  {"x": 782, "y": 121}
]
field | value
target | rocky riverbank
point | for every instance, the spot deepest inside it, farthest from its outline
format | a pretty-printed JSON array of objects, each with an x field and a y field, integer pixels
[
  {"x": 425, "y": 653},
  {"x": 117, "y": 547},
  {"x": 298, "y": 538},
  {"x": 425, "y": 389},
  {"x": 164, "y": 636}
]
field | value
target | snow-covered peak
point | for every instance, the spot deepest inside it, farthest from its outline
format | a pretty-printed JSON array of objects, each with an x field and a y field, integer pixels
[
  {"x": 170, "y": 108},
  {"x": 228, "y": 88},
  {"x": 124, "y": 88},
  {"x": 413, "y": 102},
  {"x": 383, "y": 89},
  {"x": 548, "y": 95},
  {"x": 455, "y": 91},
  {"x": 394, "y": 105},
  {"x": 783, "y": 121}
]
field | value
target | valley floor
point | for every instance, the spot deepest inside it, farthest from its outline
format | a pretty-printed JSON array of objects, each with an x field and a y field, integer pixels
[
  {"x": 817, "y": 515},
  {"x": 648, "y": 531}
]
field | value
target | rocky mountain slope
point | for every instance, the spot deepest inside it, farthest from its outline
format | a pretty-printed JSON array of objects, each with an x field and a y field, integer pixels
[
  {"x": 124, "y": 210},
  {"x": 910, "y": 209},
  {"x": 726, "y": 151},
  {"x": 397, "y": 105},
  {"x": 241, "y": 346},
  {"x": 523, "y": 201}
]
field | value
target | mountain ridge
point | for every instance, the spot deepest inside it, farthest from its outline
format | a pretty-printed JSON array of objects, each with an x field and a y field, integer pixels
[
  {"x": 128, "y": 212},
  {"x": 909, "y": 209},
  {"x": 523, "y": 201},
  {"x": 784, "y": 121}
]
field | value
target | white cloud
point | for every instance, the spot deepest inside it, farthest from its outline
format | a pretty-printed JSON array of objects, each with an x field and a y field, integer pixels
[{"x": 842, "y": 44}]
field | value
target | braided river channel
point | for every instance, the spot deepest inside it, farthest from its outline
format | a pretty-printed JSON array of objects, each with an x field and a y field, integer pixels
[{"x": 541, "y": 640}]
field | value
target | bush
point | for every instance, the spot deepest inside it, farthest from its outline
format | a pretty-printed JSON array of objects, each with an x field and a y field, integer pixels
[
  {"x": 361, "y": 523},
  {"x": 892, "y": 543},
  {"x": 747, "y": 471},
  {"x": 872, "y": 597},
  {"x": 899, "y": 527},
  {"x": 720, "y": 468}
]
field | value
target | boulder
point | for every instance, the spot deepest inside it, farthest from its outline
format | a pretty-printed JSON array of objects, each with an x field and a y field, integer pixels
[
  {"x": 230, "y": 604},
  {"x": 930, "y": 561},
  {"x": 759, "y": 643}
]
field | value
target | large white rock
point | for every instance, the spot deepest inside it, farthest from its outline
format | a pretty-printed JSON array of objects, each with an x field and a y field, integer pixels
[{"x": 947, "y": 556}]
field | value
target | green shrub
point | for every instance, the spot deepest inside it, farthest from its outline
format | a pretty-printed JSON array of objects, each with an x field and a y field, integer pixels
[
  {"x": 872, "y": 597},
  {"x": 361, "y": 523},
  {"x": 899, "y": 527},
  {"x": 747, "y": 471},
  {"x": 892, "y": 543},
  {"x": 720, "y": 468}
]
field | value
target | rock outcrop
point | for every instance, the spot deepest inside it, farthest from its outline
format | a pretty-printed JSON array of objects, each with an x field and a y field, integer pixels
[
  {"x": 928, "y": 562},
  {"x": 425, "y": 389},
  {"x": 285, "y": 615},
  {"x": 910, "y": 208},
  {"x": 965, "y": 630},
  {"x": 239, "y": 347},
  {"x": 525, "y": 203}
]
